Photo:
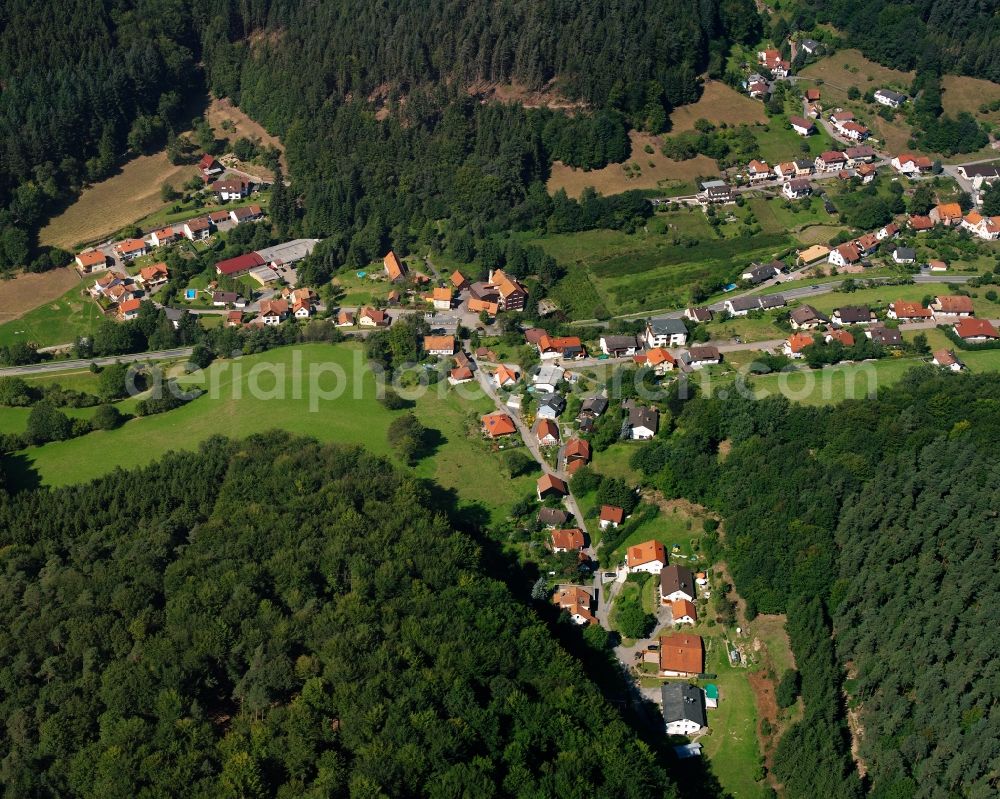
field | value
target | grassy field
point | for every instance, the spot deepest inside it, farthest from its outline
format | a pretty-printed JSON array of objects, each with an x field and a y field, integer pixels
[
  {"x": 362, "y": 290},
  {"x": 647, "y": 271},
  {"x": 57, "y": 322},
  {"x": 718, "y": 103},
  {"x": 778, "y": 142},
  {"x": 834, "y": 383},
  {"x": 354, "y": 417},
  {"x": 775, "y": 218},
  {"x": 883, "y": 295},
  {"x": 108, "y": 206},
  {"x": 673, "y": 527},
  {"x": 961, "y": 93},
  {"x": 167, "y": 216},
  {"x": 847, "y": 68},
  {"x": 27, "y": 291},
  {"x": 652, "y": 170},
  {"x": 642, "y": 170},
  {"x": 756, "y": 329},
  {"x": 613, "y": 462},
  {"x": 731, "y": 745}
]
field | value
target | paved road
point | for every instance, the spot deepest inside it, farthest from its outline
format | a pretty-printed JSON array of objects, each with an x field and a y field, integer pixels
[
  {"x": 84, "y": 363},
  {"x": 531, "y": 443}
]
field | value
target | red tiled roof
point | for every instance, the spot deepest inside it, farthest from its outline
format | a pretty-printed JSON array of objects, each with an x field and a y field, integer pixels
[
  {"x": 683, "y": 607},
  {"x": 498, "y": 424},
  {"x": 439, "y": 343},
  {"x": 550, "y": 481},
  {"x": 154, "y": 271},
  {"x": 241, "y": 263},
  {"x": 799, "y": 341},
  {"x": 546, "y": 428},
  {"x": 92, "y": 258},
  {"x": 958, "y": 303},
  {"x": 612, "y": 513},
  {"x": 842, "y": 336},
  {"x": 976, "y": 328},
  {"x": 646, "y": 552},
  {"x": 682, "y": 653},
  {"x": 393, "y": 266},
  {"x": 130, "y": 245},
  {"x": 910, "y": 310},
  {"x": 567, "y": 539},
  {"x": 659, "y": 355},
  {"x": 577, "y": 448}
]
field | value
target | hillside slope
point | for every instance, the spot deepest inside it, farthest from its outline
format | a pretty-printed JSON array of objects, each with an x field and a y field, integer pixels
[{"x": 276, "y": 618}]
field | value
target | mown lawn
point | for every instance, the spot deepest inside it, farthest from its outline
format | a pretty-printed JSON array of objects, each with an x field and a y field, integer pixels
[
  {"x": 775, "y": 218},
  {"x": 834, "y": 383},
  {"x": 58, "y": 322},
  {"x": 780, "y": 143},
  {"x": 614, "y": 462},
  {"x": 748, "y": 329},
  {"x": 188, "y": 210},
  {"x": 459, "y": 462},
  {"x": 674, "y": 528},
  {"x": 731, "y": 745}
]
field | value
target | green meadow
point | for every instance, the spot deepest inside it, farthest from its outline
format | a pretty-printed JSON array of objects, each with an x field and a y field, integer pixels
[
  {"x": 58, "y": 322},
  {"x": 272, "y": 390}
]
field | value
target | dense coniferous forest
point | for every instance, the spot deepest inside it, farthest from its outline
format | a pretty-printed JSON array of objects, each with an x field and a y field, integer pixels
[
  {"x": 83, "y": 81},
  {"x": 873, "y": 521},
  {"x": 276, "y": 618},
  {"x": 109, "y": 81},
  {"x": 953, "y": 35}
]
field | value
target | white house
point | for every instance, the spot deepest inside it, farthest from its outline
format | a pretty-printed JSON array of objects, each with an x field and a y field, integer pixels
[
  {"x": 611, "y": 516},
  {"x": 619, "y": 346},
  {"x": 439, "y": 345},
  {"x": 649, "y": 556},
  {"x": 643, "y": 423},
  {"x": 702, "y": 355},
  {"x": 196, "y": 229},
  {"x": 802, "y": 126},
  {"x": 665, "y": 332},
  {"x": 908, "y": 164},
  {"x": 167, "y": 235},
  {"x": 683, "y": 708},
  {"x": 547, "y": 378},
  {"x": 676, "y": 582},
  {"x": 947, "y": 359},
  {"x": 741, "y": 306},
  {"x": 844, "y": 254},
  {"x": 796, "y": 188},
  {"x": 888, "y": 97}
]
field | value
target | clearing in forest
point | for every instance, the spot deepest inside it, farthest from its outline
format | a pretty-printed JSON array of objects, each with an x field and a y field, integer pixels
[
  {"x": 718, "y": 103},
  {"x": 643, "y": 170},
  {"x": 106, "y": 207}
]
